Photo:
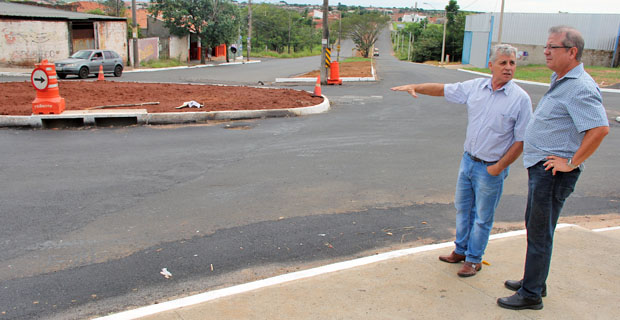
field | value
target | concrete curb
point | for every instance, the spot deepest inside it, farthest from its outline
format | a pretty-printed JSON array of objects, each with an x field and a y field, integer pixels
[
  {"x": 141, "y": 117},
  {"x": 343, "y": 266},
  {"x": 533, "y": 82}
]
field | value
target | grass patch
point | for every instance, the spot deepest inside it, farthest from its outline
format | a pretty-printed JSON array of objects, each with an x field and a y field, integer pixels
[
  {"x": 354, "y": 59},
  {"x": 285, "y": 55},
  {"x": 540, "y": 73},
  {"x": 162, "y": 63}
]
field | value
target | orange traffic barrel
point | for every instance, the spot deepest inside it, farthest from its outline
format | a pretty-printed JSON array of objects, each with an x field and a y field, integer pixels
[
  {"x": 48, "y": 100},
  {"x": 334, "y": 74}
]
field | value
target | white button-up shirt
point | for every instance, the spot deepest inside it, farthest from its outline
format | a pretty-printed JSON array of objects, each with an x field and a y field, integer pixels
[{"x": 496, "y": 119}]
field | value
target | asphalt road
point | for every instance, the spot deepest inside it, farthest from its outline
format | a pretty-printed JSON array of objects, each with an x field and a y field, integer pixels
[{"x": 91, "y": 216}]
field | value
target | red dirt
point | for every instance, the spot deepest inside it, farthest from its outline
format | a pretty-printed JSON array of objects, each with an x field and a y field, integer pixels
[
  {"x": 357, "y": 69},
  {"x": 16, "y": 97}
]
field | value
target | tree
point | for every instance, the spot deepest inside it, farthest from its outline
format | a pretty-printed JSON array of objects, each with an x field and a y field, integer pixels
[
  {"x": 214, "y": 21},
  {"x": 224, "y": 27},
  {"x": 455, "y": 30},
  {"x": 114, "y": 8},
  {"x": 363, "y": 29},
  {"x": 273, "y": 26},
  {"x": 428, "y": 45}
]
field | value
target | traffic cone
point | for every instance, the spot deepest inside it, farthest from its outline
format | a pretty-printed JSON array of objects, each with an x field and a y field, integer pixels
[
  {"x": 317, "y": 87},
  {"x": 100, "y": 77}
]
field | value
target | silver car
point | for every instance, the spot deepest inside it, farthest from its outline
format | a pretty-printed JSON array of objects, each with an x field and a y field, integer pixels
[{"x": 85, "y": 62}]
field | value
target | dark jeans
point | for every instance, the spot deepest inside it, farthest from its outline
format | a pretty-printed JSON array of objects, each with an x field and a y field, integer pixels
[{"x": 546, "y": 196}]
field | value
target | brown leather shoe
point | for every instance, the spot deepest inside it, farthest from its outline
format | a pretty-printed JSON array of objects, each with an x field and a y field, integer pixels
[
  {"x": 452, "y": 258},
  {"x": 469, "y": 269}
]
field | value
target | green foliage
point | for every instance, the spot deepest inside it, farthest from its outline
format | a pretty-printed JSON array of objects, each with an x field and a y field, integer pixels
[
  {"x": 455, "y": 31},
  {"x": 278, "y": 30},
  {"x": 97, "y": 11},
  {"x": 296, "y": 54},
  {"x": 214, "y": 21},
  {"x": 428, "y": 45},
  {"x": 427, "y": 38},
  {"x": 130, "y": 30},
  {"x": 363, "y": 29}
]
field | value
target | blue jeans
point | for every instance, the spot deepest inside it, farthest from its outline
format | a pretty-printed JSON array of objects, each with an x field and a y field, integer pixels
[
  {"x": 545, "y": 199},
  {"x": 477, "y": 196}
]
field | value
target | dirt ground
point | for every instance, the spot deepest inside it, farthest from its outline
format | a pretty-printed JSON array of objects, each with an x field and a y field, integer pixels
[
  {"x": 16, "y": 97},
  {"x": 356, "y": 69}
]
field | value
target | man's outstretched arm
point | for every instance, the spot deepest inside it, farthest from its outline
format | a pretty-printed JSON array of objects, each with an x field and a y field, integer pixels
[{"x": 430, "y": 89}]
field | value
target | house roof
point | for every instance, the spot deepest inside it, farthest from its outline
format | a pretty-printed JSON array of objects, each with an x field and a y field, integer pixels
[
  {"x": 16, "y": 10},
  {"x": 85, "y": 6},
  {"x": 141, "y": 16}
]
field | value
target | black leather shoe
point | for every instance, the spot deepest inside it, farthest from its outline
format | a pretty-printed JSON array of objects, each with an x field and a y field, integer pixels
[
  {"x": 517, "y": 302},
  {"x": 515, "y": 285}
]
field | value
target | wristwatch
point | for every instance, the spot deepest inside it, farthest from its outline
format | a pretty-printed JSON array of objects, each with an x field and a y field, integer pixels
[{"x": 571, "y": 165}]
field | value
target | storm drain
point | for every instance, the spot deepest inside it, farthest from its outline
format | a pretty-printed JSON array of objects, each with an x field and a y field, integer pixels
[
  {"x": 62, "y": 123},
  {"x": 116, "y": 121}
]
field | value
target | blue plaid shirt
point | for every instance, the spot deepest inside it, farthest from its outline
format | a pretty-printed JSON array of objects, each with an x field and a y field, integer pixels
[
  {"x": 495, "y": 119},
  {"x": 572, "y": 106}
]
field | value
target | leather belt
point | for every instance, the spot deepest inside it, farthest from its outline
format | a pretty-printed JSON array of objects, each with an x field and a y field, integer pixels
[{"x": 480, "y": 160}]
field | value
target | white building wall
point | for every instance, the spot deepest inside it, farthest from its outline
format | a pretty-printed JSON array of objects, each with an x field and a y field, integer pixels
[
  {"x": 179, "y": 47},
  {"x": 112, "y": 35},
  {"x": 529, "y": 32},
  {"x": 598, "y": 30},
  {"x": 26, "y": 42}
]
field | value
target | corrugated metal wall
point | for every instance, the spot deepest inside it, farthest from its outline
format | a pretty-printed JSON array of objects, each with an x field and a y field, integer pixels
[
  {"x": 479, "y": 46},
  {"x": 599, "y": 30}
]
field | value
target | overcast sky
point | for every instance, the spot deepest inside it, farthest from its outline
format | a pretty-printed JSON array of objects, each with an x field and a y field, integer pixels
[{"x": 542, "y": 6}]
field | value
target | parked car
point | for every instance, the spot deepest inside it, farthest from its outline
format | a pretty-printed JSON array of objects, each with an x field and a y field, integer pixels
[
  {"x": 376, "y": 52},
  {"x": 85, "y": 62}
]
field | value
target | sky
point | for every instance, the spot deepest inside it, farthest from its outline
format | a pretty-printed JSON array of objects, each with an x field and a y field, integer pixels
[{"x": 540, "y": 6}]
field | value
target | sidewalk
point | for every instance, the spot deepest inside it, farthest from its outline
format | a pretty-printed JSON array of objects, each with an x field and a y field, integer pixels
[
  {"x": 414, "y": 284},
  {"x": 129, "y": 69}
]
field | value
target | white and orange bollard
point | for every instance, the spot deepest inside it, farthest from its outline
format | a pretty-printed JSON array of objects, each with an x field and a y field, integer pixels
[{"x": 48, "y": 100}]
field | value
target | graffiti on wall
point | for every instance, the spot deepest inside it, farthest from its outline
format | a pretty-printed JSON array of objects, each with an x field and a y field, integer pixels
[
  {"x": 148, "y": 49},
  {"x": 25, "y": 44}
]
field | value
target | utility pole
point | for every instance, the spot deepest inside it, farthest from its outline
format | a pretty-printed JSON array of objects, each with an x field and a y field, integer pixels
[
  {"x": 443, "y": 43},
  {"x": 339, "y": 34},
  {"x": 249, "y": 42},
  {"x": 501, "y": 18},
  {"x": 136, "y": 55},
  {"x": 409, "y": 48},
  {"x": 324, "y": 42}
]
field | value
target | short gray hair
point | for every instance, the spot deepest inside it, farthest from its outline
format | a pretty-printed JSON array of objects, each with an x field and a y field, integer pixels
[
  {"x": 572, "y": 38},
  {"x": 502, "y": 49}
]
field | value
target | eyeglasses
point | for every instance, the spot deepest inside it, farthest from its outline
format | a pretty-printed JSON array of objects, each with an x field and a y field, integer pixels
[{"x": 549, "y": 47}]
